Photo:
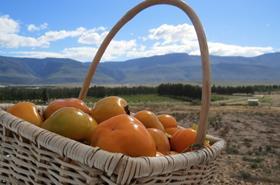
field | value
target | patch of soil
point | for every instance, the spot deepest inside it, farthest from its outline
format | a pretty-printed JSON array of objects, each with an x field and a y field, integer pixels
[{"x": 252, "y": 135}]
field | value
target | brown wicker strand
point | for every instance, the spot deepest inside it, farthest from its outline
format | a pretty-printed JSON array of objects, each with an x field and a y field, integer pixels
[
  {"x": 32, "y": 155},
  {"x": 36, "y": 156},
  {"x": 206, "y": 87}
]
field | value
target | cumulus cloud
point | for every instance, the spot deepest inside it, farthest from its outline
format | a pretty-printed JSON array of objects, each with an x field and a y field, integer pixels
[
  {"x": 182, "y": 38},
  {"x": 93, "y": 36},
  {"x": 8, "y": 25},
  {"x": 15, "y": 41},
  {"x": 32, "y": 27},
  {"x": 172, "y": 33},
  {"x": 78, "y": 53},
  {"x": 235, "y": 50},
  {"x": 37, "y": 54},
  {"x": 51, "y": 36},
  {"x": 115, "y": 50},
  {"x": 160, "y": 40},
  {"x": 9, "y": 34},
  {"x": 11, "y": 38}
]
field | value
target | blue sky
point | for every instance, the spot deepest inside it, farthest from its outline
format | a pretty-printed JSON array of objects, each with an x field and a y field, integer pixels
[{"x": 75, "y": 29}]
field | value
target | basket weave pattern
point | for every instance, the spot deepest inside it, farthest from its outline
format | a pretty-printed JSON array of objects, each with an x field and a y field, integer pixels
[{"x": 31, "y": 155}]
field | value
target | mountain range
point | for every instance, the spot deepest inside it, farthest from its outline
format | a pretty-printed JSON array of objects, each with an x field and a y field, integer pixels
[{"x": 174, "y": 67}]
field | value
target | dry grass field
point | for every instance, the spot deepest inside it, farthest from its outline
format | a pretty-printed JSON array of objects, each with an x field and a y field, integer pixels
[{"x": 252, "y": 135}]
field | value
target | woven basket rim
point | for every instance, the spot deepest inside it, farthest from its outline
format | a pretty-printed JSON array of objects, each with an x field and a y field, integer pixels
[
  {"x": 89, "y": 155},
  {"x": 123, "y": 166}
]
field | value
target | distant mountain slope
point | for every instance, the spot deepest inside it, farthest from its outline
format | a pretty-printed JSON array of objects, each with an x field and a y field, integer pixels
[{"x": 175, "y": 67}]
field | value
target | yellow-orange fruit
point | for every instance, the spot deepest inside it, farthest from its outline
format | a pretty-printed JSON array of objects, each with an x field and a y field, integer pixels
[
  {"x": 160, "y": 139},
  {"x": 26, "y": 111},
  {"x": 124, "y": 134},
  {"x": 149, "y": 119}
]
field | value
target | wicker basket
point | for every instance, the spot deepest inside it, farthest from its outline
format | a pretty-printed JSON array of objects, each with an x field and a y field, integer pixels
[{"x": 31, "y": 155}]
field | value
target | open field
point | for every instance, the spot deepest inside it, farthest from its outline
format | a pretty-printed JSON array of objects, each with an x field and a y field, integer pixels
[
  {"x": 252, "y": 132},
  {"x": 252, "y": 135}
]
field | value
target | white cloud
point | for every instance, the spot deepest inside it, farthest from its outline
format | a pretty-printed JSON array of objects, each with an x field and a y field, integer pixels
[
  {"x": 10, "y": 37},
  {"x": 182, "y": 38},
  {"x": 115, "y": 50},
  {"x": 236, "y": 50},
  {"x": 8, "y": 25},
  {"x": 172, "y": 33},
  {"x": 8, "y": 34},
  {"x": 93, "y": 36},
  {"x": 78, "y": 53},
  {"x": 161, "y": 40},
  {"x": 120, "y": 49},
  {"x": 51, "y": 36},
  {"x": 38, "y": 54},
  {"x": 15, "y": 41},
  {"x": 32, "y": 27}
]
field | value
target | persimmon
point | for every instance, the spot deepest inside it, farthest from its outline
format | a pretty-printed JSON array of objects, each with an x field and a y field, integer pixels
[
  {"x": 183, "y": 139},
  {"x": 109, "y": 107},
  {"x": 173, "y": 130},
  {"x": 71, "y": 122},
  {"x": 160, "y": 139},
  {"x": 167, "y": 121},
  {"x": 149, "y": 119},
  {"x": 124, "y": 134},
  {"x": 68, "y": 102},
  {"x": 26, "y": 111}
]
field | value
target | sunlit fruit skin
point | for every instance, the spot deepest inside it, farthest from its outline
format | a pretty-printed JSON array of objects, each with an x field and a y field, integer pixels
[
  {"x": 183, "y": 139},
  {"x": 167, "y": 121},
  {"x": 172, "y": 131},
  {"x": 68, "y": 102},
  {"x": 109, "y": 107},
  {"x": 26, "y": 111},
  {"x": 161, "y": 140},
  {"x": 149, "y": 119},
  {"x": 159, "y": 154},
  {"x": 124, "y": 134},
  {"x": 70, "y": 122}
]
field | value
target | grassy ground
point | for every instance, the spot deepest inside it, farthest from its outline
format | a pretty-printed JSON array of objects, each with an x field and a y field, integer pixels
[
  {"x": 252, "y": 133},
  {"x": 148, "y": 98}
]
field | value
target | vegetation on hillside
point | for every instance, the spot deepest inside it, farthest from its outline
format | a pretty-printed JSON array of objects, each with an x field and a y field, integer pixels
[{"x": 181, "y": 91}]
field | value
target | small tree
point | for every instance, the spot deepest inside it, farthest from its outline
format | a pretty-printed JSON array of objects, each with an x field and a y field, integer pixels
[{"x": 45, "y": 95}]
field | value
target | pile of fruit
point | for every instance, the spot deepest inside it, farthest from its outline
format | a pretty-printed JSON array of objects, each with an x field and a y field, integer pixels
[{"x": 110, "y": 126}]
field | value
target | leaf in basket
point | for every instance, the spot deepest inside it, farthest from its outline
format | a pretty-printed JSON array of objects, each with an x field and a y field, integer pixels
[
  {"x": 206, "y": 143},
  {"x": 168, "y": 135},
  {"x": 194, "y": 126}
]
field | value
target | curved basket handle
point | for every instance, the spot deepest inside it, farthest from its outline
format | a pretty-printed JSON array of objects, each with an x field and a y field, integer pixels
[{"x": 206, "y": 88}]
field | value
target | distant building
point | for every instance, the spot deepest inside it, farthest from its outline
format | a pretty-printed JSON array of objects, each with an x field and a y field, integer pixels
[{"x": 253, "y": 102}]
